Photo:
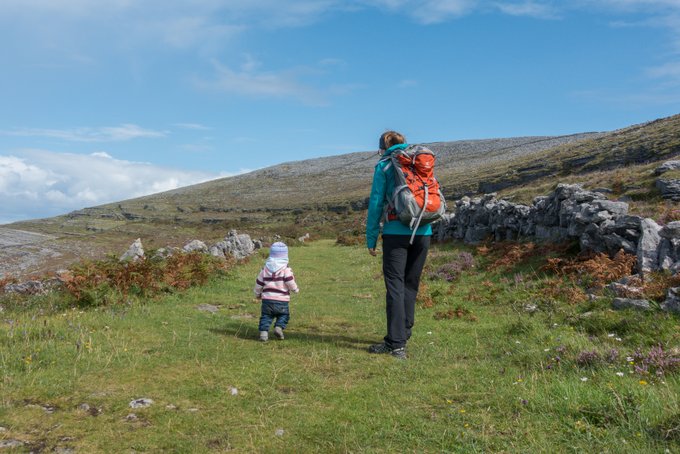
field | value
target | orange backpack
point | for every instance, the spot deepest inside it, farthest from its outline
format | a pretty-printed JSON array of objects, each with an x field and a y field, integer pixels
[{"x": 417, "y": 199}]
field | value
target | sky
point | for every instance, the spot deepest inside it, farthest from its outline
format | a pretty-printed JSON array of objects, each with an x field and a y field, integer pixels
[{"x": 102, "y": 101}]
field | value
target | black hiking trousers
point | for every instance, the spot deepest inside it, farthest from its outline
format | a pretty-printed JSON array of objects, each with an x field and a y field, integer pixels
[{"x": 402, "y": 265}]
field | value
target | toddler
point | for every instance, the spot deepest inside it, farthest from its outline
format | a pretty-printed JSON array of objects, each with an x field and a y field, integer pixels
[{"x": 273, "y": 287}]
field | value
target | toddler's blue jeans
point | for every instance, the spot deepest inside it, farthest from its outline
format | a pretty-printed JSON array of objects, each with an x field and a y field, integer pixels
[{"x": 271, "y": 310}]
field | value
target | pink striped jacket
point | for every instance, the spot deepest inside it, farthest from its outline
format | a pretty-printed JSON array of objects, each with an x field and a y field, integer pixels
[{"x": 275, "y": 286}]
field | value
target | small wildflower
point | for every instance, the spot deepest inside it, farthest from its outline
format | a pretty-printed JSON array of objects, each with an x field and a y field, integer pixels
[
  {"x": 620, "y": 374},
  {"x": 449, "y": 401},
  {"x": 643, "y": 382},
  {"x": 546, "y": 349},
  {"x": 466, "y": 425},
  {"x": 462, "y": 410},
  {"x": 619, "y": 339},
  {"x": 517, "y": 342},
  {"x": 584, "y": 378},
  {"x": 429, "y": 332},
  {"x": 588, "y": 358},
  {"x": 611, "y": 335},
  {"x": 629, "y": 359}
]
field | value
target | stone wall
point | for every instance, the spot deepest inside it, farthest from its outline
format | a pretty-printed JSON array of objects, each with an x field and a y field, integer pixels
[{"x": 569, "y": 213}]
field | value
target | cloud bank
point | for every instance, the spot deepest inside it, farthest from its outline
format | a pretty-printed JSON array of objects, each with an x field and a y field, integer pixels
[
  {"x": 120, "y": 133},
  {"x": 40, "y": 183}
]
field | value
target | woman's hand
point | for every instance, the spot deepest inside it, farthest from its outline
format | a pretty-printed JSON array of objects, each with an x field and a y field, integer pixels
[{"x": 372, "y": 252}]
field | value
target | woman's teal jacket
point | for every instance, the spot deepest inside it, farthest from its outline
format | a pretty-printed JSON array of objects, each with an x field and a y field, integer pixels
[{"x": 381, "y": 192}]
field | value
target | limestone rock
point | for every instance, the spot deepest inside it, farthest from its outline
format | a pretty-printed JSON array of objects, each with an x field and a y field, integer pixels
[
  {"x": 648, "y": 245},
  {"x": 27, "y": 288},
  {"x": 669, "y": 188},
  {"x": 625, "y": 291},
  {"x": 135, "y": 252},
  {"x": 238, "y": 245},
  {"x": 629, "y": 303},
  {"x": 195, "y": 246},
  {"x": 672, "y": 302},
  {"x": 208, "y": 308},
  {"x": 670, "y": 230},
  {"x": 4, "y": 444},
  {"x": 666, "y": 166},
  {"x": 141, "y": 403}
]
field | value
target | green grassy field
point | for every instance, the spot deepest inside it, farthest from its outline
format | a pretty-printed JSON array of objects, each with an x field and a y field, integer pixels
[{"x": 501, "y": 360}]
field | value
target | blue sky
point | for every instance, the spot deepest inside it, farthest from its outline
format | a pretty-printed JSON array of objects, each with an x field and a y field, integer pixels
[{"x": 112, "y": 99}]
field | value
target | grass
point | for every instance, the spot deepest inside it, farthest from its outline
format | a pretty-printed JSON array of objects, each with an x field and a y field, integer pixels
[{"x": 500, "y": 374}]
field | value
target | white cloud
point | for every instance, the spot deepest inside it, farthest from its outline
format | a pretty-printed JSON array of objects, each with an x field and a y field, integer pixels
[
  {"x": 670, "y": 70},
  {"x": 120, "y": 133},
  {"x": 39, "y": 183},
  {"x": 628, "y": 5},
  {"x": 407, "y": 83},
  {"x": 529, "y": 8},
  {"x": 436, "y": 11},
  {"x": 193, "y": 126},
  {"x": 250, "y": 81}
]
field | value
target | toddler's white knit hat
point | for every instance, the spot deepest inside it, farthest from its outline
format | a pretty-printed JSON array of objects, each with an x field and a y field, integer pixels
[{"x": 278, "y": 251}]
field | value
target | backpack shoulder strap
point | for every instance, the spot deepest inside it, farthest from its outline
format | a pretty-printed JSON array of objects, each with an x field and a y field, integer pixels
[{"x": 387, "y": 160}]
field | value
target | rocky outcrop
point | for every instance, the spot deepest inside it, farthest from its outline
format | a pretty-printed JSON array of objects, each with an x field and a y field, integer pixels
[
  {"x": 234, "y": 244},
  {"x": 669, "y": 188},
  {"x": 629, "y": 303},
  {"x": 237, "y": 245},
  {"x": 672, "y": 303},
  {"x": 666, "y": 166},
  {"x": 195, "y": 246},
  {"x": 135, "y": 252},
  {"x": 569, "y": 213}
]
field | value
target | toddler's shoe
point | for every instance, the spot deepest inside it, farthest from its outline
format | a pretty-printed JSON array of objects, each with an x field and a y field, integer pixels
[
  {"x": 278, "y": 332},
  {"x": 264, "y": 336}
]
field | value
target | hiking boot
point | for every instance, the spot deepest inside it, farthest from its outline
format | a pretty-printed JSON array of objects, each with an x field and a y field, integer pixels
[
  {"x": 264, "y": 336},
  {"x": 399, "y": 353},
  {"x": 379, "y": 348},
  {"x": 278, "y": 332}
]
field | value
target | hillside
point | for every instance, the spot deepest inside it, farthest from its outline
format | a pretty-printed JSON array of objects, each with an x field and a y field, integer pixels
[
  {"x": 327, "y": 195},
  {"x": 340, "y": 183},
  {"x": 335, "y": 183}
]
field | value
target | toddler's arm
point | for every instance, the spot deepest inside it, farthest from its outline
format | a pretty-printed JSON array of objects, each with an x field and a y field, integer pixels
[
  {"x": 259, "y": 285},
  {"x": 290, "y": 281}
]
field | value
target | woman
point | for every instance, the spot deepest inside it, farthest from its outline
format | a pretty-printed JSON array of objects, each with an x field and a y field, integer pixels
[{"x": 402, "y": 262}]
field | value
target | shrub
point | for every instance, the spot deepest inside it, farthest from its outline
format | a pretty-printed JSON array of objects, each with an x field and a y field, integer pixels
[
  {"x": 349, "y": 240},
  {"x": 656, "y": 285},
  {"x": 94, "y": 283},
  {"x": 588, "y": 358},
  {"x": 594, "y": 270},
  {"x": 450, "y": 271},
  {"x": 657, "y": 361},
  {"x": 458, "y": 312},
  {"x": 668, "y": 213}
]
